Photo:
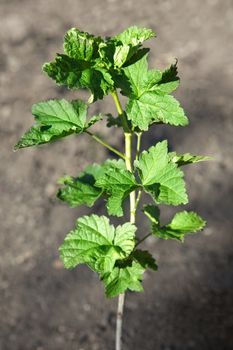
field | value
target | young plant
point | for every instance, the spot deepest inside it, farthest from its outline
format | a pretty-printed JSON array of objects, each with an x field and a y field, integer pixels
[{"x": 104, "y": 66}]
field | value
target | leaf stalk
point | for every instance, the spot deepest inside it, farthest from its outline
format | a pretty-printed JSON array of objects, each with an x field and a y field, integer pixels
[
  {"x": 105, "y": 144},
  {"x": 143, "y": 239}
]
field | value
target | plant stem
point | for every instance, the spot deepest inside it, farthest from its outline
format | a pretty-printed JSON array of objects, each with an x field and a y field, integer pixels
[
  {"x": 121, "y": 298},
  {"x": 143, "y": 239},
  {"x": 139, "y": 136},
  {"x": 128, "y": 150},
  {"x": 105, "y": 144},
  {"x": 120, "y": 310},
  {"x": 138, "y": 199},
  {"x": 128, "y": 163},
  {"x": 120, "y": 110}
]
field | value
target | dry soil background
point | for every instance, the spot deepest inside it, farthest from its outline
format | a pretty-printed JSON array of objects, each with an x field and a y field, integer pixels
[{"x": 187, "y": 304}]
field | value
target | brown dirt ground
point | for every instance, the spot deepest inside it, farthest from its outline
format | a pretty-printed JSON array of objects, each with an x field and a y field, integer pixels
[{"x": 187, "y": 304}]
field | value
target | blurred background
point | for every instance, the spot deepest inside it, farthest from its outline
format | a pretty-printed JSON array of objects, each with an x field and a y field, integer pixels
[{"x": 187, "y": 304}]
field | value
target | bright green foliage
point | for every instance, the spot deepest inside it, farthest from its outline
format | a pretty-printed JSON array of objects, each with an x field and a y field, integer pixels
[
  {"x": 97, "y": 243},
  {"x": 89, "y": 61},
  {"x": 103, "y": 66},
  {"x": 81, "y": 190},
  {"x": 124, "y": 48},
  {"x": 117, "y": 182},
  {"x": 183, "y": 223},
  {"x": 128, "y": 274},
  {"x": 134, "y": 36},
  {"x": 149, "y": 99},
  {"x": 54, "y": 120},
  {"x": 81, "y": 46},
  {"x": 110, "y": 179},
  {"x": 128, "y": 42},
  {"x": 79, "y": 67},
  {"x": 161, "y": 177},
  {"x": 79, "y": 74},
  {"x": 187, "y": 158}
]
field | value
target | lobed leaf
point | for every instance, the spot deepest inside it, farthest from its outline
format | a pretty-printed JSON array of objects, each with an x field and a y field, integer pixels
[
  {"x": 182, "y": 224},
  {"x": 113, "y": 121},
  {"x": 128, "y": 274},
  {"x": 55, "y": 119},
  {"x": 134, "y": 35},
  {"x": 168, "y": 82},
  {"x": 161, "y": 177},
  {"x": 81, "y": 45},
  {"x": 110, "y": 178},
  {"x": 117, "y": 182},
  {"x": 76, "y": 74},
  {"x": 124, "y": 48},
  {"x": 81, "y": 190},
  {"x": 89, "y": 61},
  {"x": 148, "y": 91},
  {"x": 78, "y": 69},
  {"x": 67, "y": 71},
  {"x": 145, "y": 259},
  {"x": 187, "y": 158},
  {"x": 134, "y": 78},
  {"x": 151, "y": 108},
  {"x": 97, "y": 243}
]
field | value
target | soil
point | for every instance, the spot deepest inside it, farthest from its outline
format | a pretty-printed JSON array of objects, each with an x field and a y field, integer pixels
[{"x": 187, "y": 304}]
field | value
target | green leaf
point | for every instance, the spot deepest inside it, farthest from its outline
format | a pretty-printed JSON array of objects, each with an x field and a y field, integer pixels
[
  {"x": 135, "y": 76},
  {"x": 145, "y": 259},
  {"x": 39, "y": 135},
  {"x": 117, "y": 182},
  {"x": 81, "y": 190},
  {"x": 152, "y": 212},
  {"x": 148, "y": 91},
  {"x": 136, "y": 56},
  {"x": 67, "y": 71},
  {"x": 143, "y": 80},
  {"x": 98, "y": 81},
  {"x": 97, "y": 243},
  {"x": 168, "y": 82},
  {"x": 55, "y": 119},
  {"x": 182, "y": 224},
  {"x": 93, "y": 120},
  {"x": 187, "y": 158},
  {"x": 90, "y": 62},
  {"x": 127, "y": 44},
  {"x": 123, "y": 278},
  {"x": 161, "y": 177},
  {"x": 151, "y": 108},
  {"x": 134, "y": 35},
  {"x": 80, "y": 67},
  {"x": 121, "y": 54},
  {"x": 128, "y": 274},
  {"x": 124, "y": 48},
  {"x": 113, "y": 121},
  {"x": 86, "y": 189},
  {"x": 76, "y": 74},
  {"x": 61, "y": 114},
  {"x": 81, "y": 45}
]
